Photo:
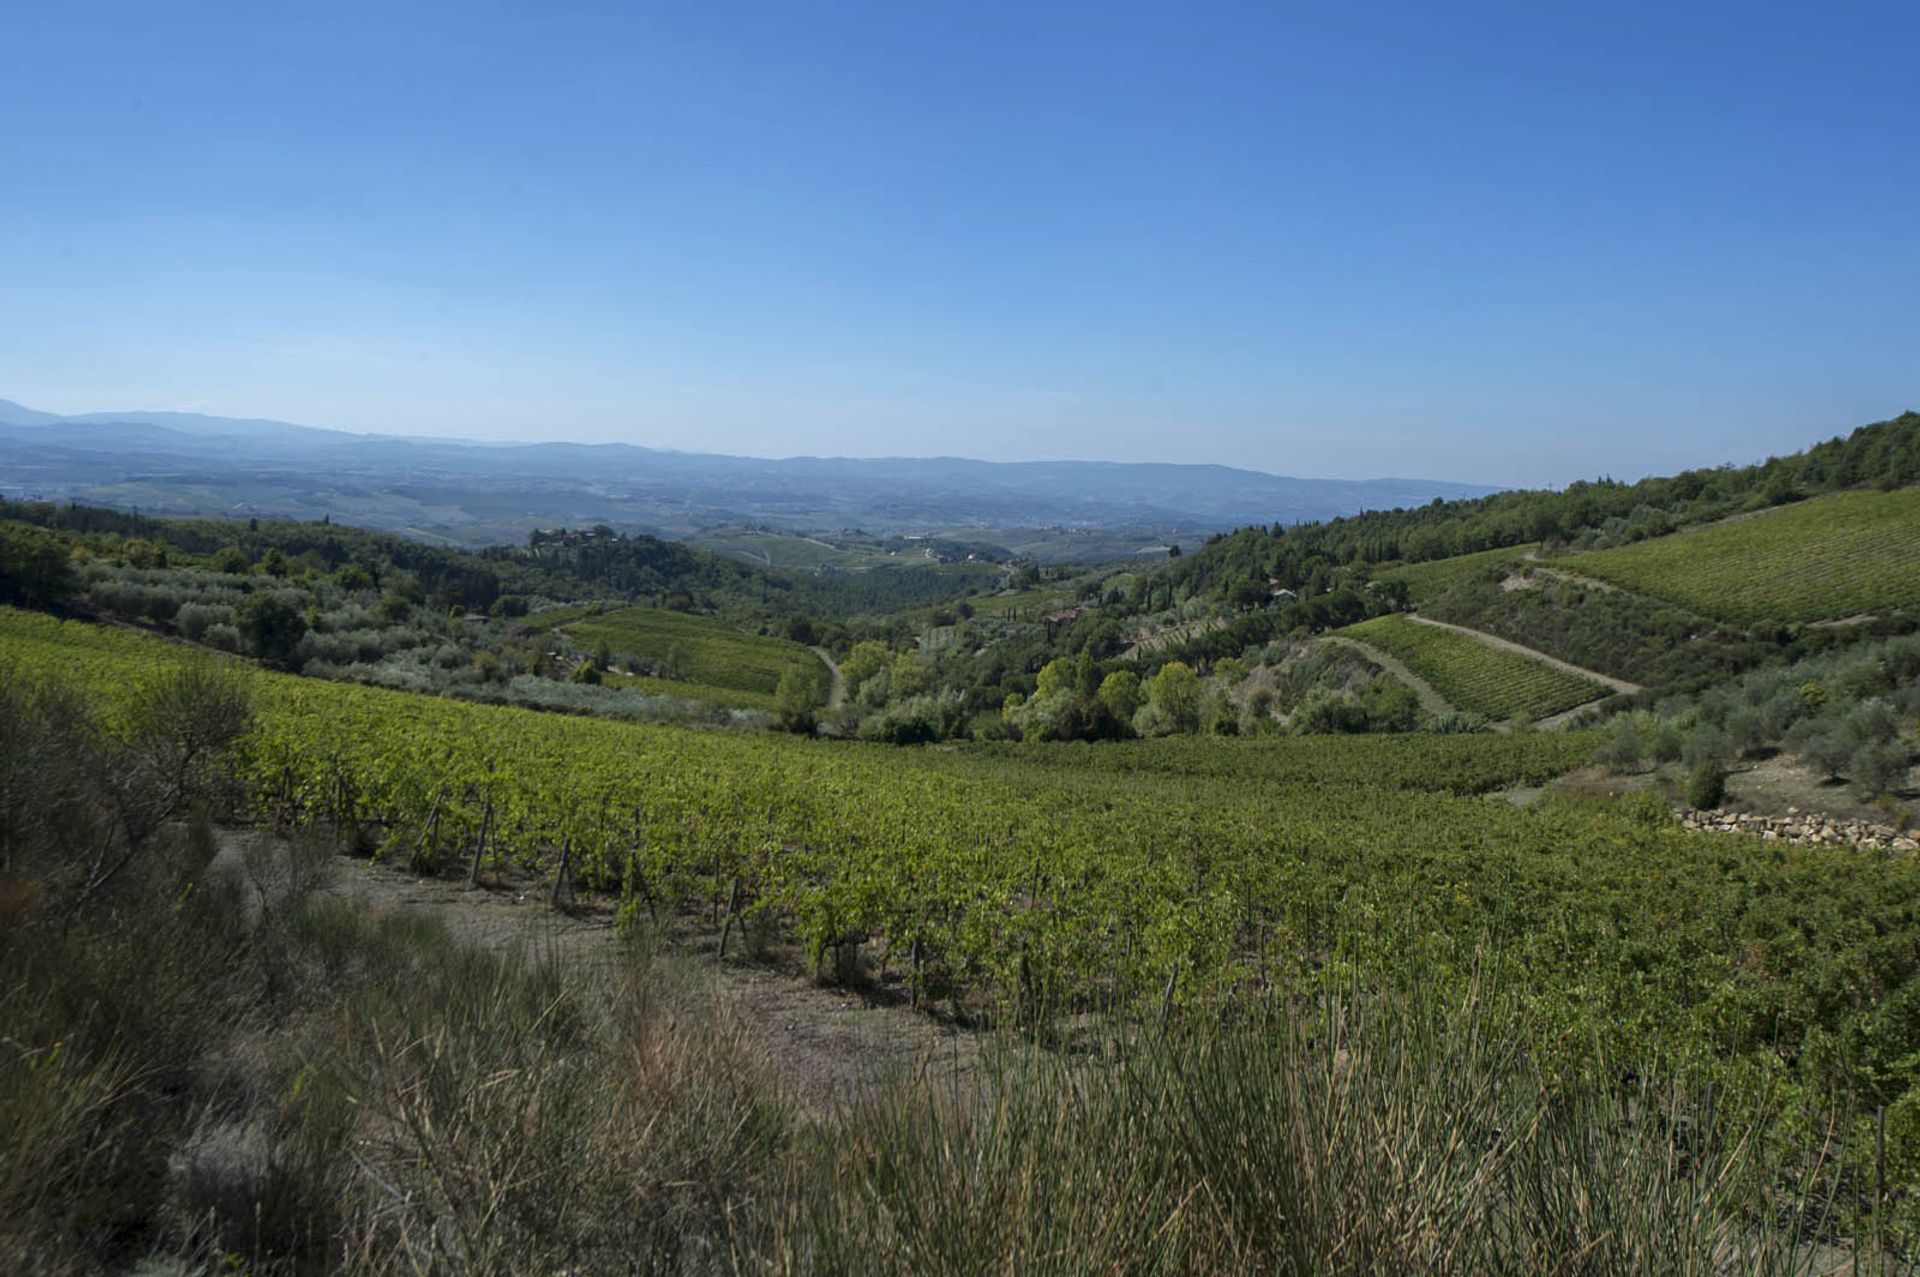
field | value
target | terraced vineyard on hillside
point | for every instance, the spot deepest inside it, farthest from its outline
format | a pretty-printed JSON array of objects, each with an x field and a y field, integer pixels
[
  {"x": 698, "y": 650},
  {"x": 1822, "y": 559},
  {"x": 1429, "y": 580},
  {"x": 1474, "y": 676}
]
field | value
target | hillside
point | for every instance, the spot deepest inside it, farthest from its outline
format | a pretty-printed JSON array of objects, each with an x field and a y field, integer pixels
[
  {"x": 846, "y": 551},
  {"x": 1829, "y": 557},
  {"x": 1424, "y": 582},
  {"x": 1165, "y": 879},
  {"x": 1582, "y": 516},
  {"x": 1474, "y": 676},
  {"x": 1263, "y": 582},
  {"x": 673, "y": 646},
  {"x": 1597, "y": 626},
  {"x": 1702, "y": 604}
]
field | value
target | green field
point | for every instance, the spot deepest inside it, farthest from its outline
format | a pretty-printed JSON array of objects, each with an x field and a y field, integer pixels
[
  {"x": 1474, "y": 677},
  {"x": 1425, "y": 581},
  {"x": 701, "y": 650},
  {"x": 1835, "y": 556}
]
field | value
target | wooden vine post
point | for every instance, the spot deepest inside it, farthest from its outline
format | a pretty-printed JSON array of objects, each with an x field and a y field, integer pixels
[
  {"x": 431, "y": 834},
  {"x": 560, "y": 877},
  {"x": 480, "y": 845},
  {"x": 733, "y": 899}
]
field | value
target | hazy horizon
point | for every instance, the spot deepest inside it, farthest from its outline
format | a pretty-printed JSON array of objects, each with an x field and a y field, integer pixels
[
  {"x": 1485, "y": 245},
  {"x": 507, "y": 441}
]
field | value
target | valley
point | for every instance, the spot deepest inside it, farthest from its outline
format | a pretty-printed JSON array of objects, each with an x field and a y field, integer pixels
[{"x": 868, "y": 833}]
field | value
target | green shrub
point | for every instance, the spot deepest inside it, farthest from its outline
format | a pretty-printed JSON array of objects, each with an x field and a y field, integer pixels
[
  {"x": 1706, "y": 785},
  {"x": 1622, "y": 751},
  {"x": 918, "y": 720},
  {"x": 797, "y": 700},
  {"x": 1879, "y": 767},
  {"x": 273, "y": 623},
  {"x": 34, "y": 568},
  {"x": 1705, "y": 744}
]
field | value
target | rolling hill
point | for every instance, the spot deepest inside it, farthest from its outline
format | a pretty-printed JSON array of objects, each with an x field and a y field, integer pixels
[
  {"x": 474, "y": 493},
  {"x": 1835, "y": 556}
]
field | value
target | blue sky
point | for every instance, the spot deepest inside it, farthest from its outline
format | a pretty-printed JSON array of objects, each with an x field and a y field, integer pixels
[{"x": 1517, "y": 243}]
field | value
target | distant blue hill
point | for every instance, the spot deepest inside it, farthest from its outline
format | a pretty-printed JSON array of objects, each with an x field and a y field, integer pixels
[{"x": 173, "y": 462}]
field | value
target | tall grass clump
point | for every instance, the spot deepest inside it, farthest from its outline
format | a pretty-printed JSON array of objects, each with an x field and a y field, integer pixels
[
  {"x": 510, "y": 1115},
  {"x": 1360, "y": 1133}
]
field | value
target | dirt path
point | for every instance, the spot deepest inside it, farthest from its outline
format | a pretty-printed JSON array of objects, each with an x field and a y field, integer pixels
[
  {"x": 1430, "y": 700},
  {"x": 1565, "y": 716},
  {"x": 1507, "y": 645},
  {"x": 837, "y": 692},
  {"x": 826, "y": 1045},
  {"x": 1574, "y": 578}
]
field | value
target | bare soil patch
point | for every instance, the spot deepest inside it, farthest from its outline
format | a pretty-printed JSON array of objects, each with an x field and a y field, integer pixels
[{"x": 827, "y": 1046}]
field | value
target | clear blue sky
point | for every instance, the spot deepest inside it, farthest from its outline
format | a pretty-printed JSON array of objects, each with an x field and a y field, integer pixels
[{"x": 1520, "y": 243}]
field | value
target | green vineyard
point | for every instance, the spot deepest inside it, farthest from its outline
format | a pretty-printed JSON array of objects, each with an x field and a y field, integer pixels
[
  {"x": 1830, "y": 557},
  {"x": 1473, "y": 676},
  {"x": 1126, "y": 875},
  {"x": 695, "y": 649},
  {"x": 1427, "y": 581}
]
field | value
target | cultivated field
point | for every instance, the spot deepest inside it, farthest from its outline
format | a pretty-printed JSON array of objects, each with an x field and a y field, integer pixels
[
  {"x": 696, "y": 649},
  {"x": 1474, "y": 676},
  {"x": 1822, "y": 559},
  {"x": 991, "y": 874},
  {"x": 1191, "y": 880},
  {"x": 1425, "y": 581}
]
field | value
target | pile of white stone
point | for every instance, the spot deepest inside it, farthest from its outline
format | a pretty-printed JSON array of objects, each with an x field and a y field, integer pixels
[{"x": 1805, "y": 827}]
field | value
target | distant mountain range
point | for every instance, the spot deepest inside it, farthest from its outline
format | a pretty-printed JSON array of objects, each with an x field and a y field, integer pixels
[{"x": 475, "y": 493}]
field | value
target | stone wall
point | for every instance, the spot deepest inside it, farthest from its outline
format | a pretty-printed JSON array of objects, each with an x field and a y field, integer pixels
[{"x": 1803, "y": 827}]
